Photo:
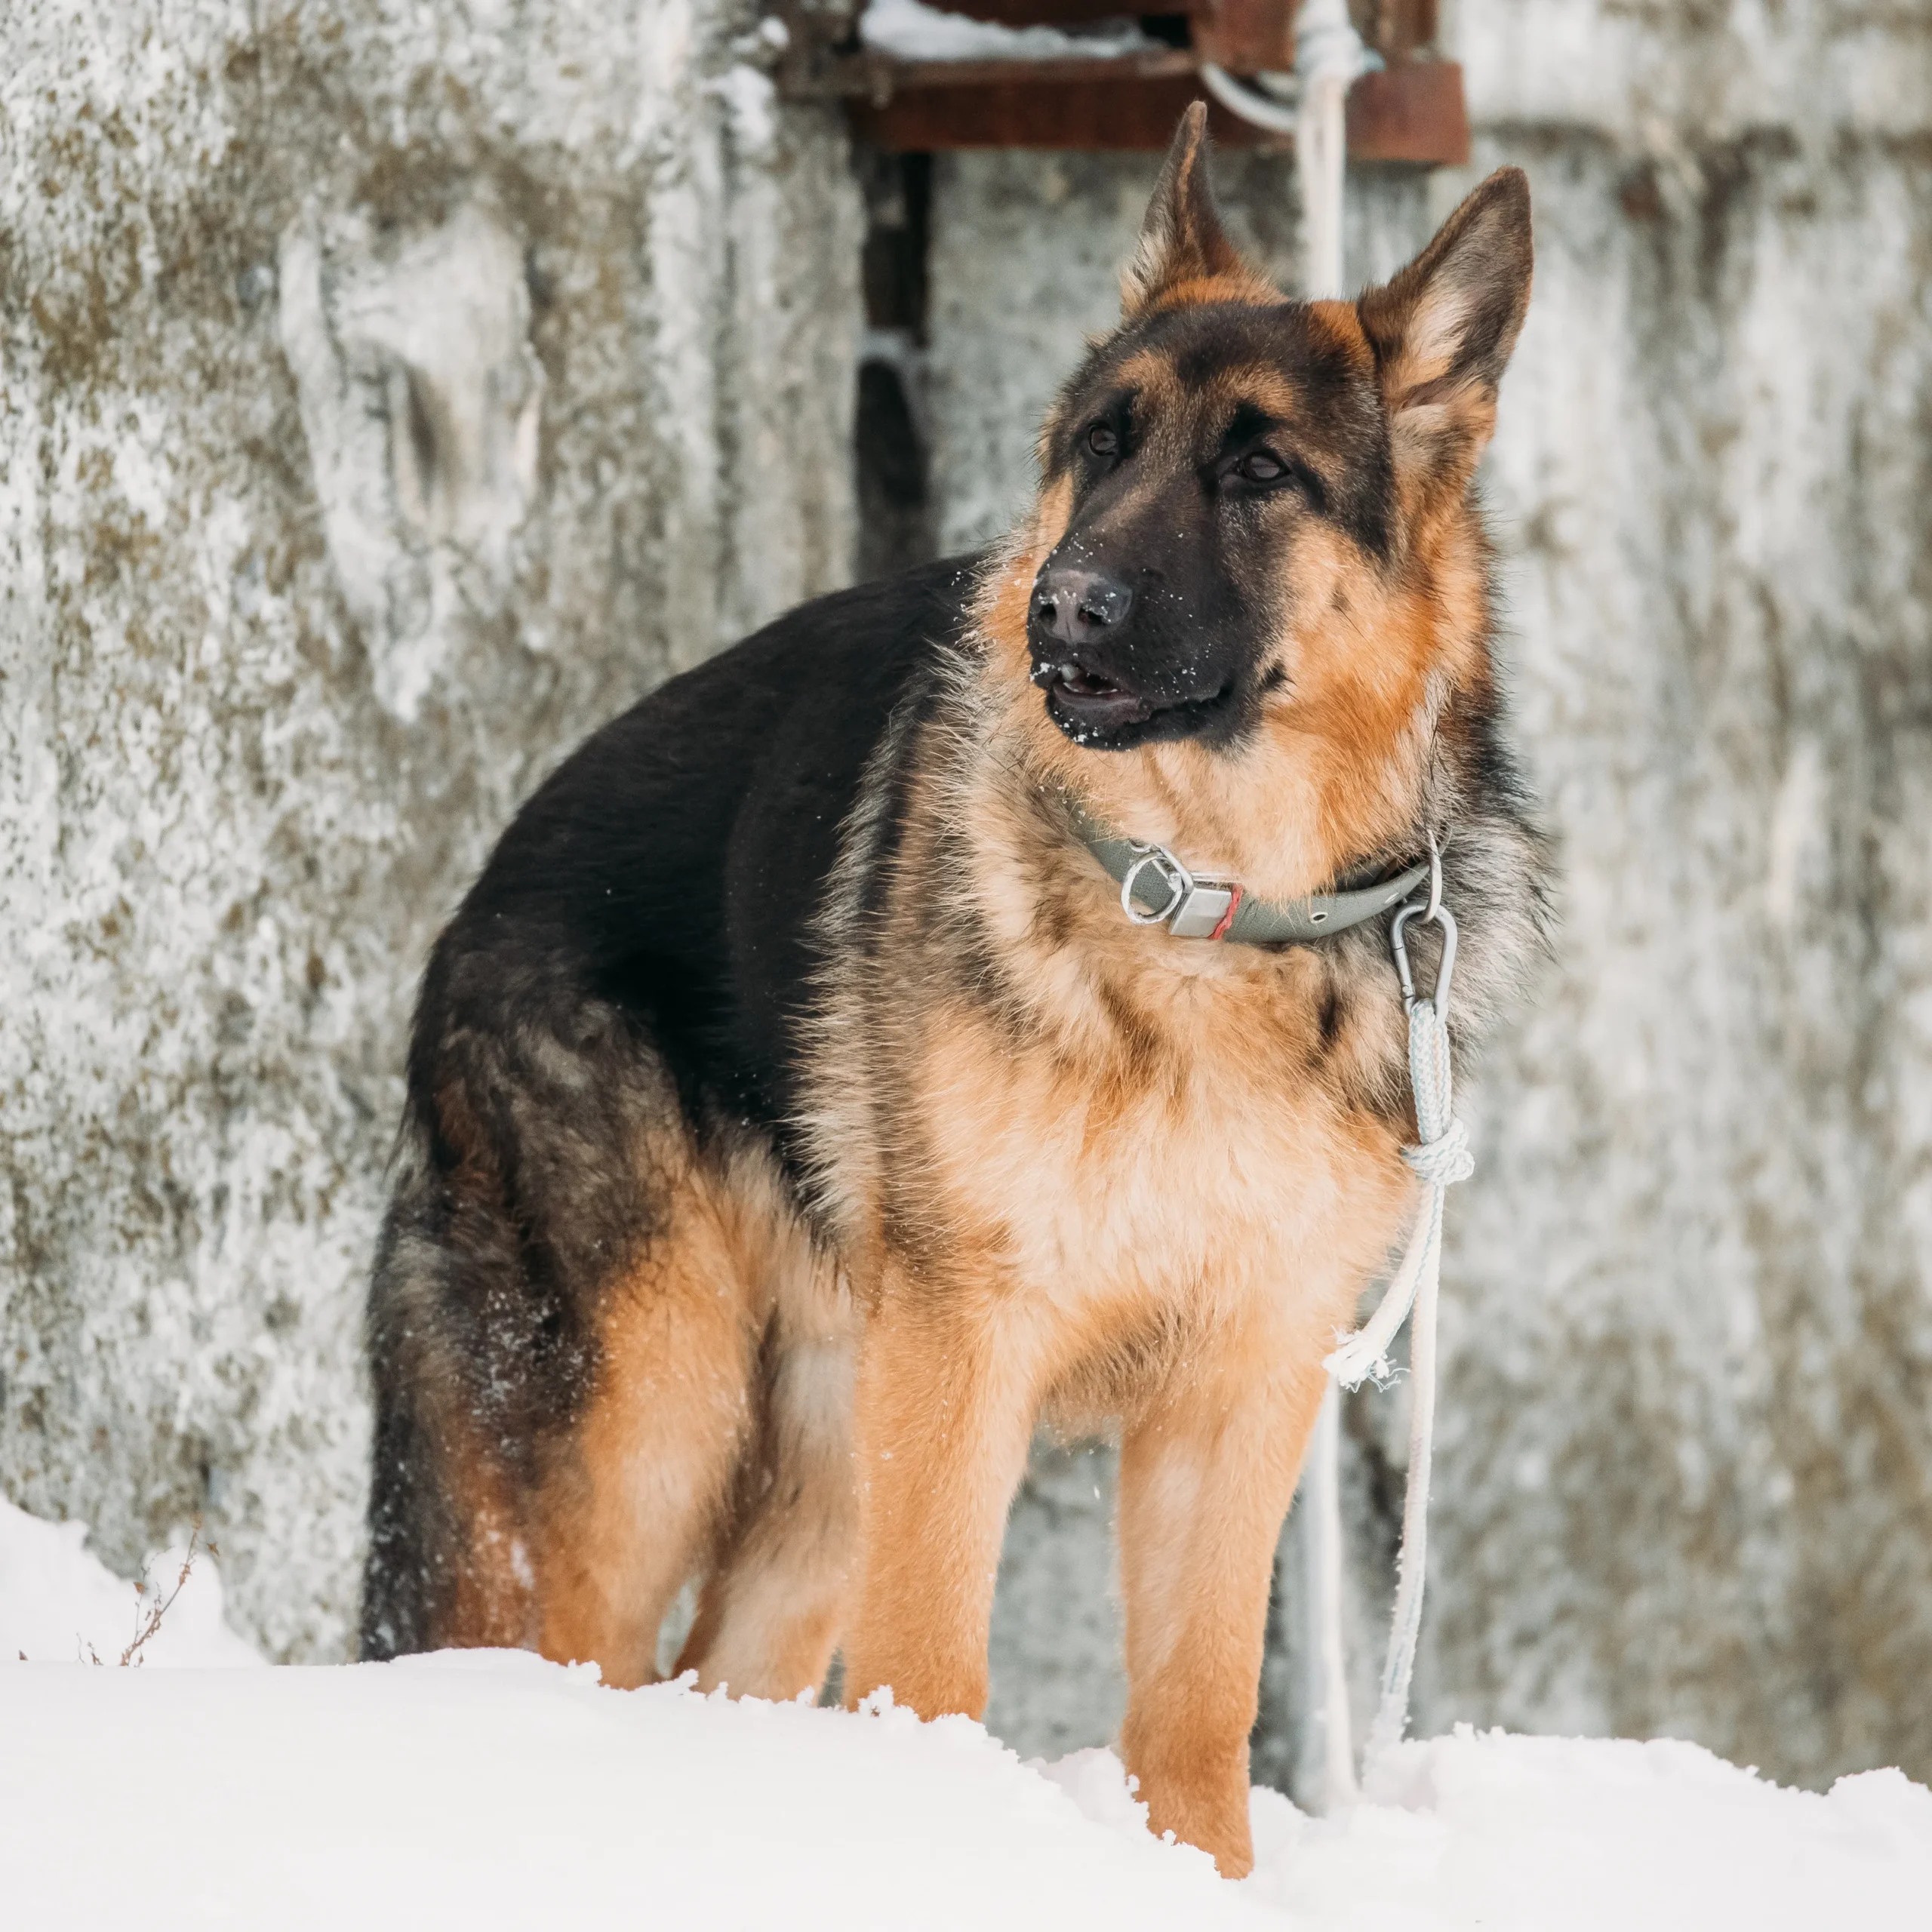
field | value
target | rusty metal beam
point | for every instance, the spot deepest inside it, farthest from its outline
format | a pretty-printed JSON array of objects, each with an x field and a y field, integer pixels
[{"x": 1412, "y": 112}]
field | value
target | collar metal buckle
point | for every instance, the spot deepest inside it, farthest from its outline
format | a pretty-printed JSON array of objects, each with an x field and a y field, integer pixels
[{"x": 1196, "y": 909}]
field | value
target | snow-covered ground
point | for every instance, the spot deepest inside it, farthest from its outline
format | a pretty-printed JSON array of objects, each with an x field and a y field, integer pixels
[
  {"x": 487, "y": 1789},
  {"x": 58, "y": 1605}
]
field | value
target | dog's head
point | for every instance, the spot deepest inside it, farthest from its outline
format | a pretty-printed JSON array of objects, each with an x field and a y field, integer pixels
[{"x": 1255, "y": 520}]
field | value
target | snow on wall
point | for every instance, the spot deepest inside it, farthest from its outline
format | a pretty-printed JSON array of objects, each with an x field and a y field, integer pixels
[
  {"x": 388, "y": 395},
  {"x": 1685, "y": 1473}
]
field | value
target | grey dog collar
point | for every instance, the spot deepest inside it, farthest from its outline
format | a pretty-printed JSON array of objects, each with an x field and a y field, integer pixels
[{"x": 1157, "y": 889}]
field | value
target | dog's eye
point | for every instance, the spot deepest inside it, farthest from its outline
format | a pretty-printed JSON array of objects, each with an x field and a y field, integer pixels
[
  {"x": 1261, "y": 466},
  {"x": 1102, "y": 440}
]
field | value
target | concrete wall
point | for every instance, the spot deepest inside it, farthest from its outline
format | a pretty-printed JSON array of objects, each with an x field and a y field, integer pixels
[
  {"x": 388, "y": 394},
  {"x": 1684, "y": 1477},
  {"x": 1687, "y": 1476}
]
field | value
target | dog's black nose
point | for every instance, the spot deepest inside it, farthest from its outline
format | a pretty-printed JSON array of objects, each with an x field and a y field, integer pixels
[{"x": 1077, "y": 606}]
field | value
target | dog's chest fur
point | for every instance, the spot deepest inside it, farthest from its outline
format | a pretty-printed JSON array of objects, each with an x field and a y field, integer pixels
[
  {"x": 1128, "y": 1133},
  {"x": 1211, "y": 1174}
]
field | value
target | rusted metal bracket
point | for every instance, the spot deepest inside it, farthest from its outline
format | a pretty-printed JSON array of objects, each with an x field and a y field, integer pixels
[{"x": 1412, "y": 110}]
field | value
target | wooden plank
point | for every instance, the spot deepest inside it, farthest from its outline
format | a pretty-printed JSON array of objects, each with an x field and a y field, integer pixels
[
  {"x": 1412, "y": 112},
  {"x": 1082, "y": 112}
]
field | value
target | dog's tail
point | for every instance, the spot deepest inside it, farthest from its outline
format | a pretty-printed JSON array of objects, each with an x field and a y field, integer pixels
[
  {"x": 438, "y": 1498},
  {"x": 522, "y": 1185}
]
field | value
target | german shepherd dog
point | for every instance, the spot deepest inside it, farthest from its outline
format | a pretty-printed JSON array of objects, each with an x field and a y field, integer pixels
[{"x": 796, "y": 1119}]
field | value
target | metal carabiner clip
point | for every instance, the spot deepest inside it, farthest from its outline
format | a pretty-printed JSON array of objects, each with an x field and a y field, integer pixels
[{"x": 1430, "y": 910}]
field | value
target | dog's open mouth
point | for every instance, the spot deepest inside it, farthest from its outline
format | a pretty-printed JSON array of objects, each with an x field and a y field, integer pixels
[
  {"x": 1077, "y": 683},
  {"x": 1092, "y": 694},
  {"x": 1100, "y": 708},
  {"x": 1088, "y": 705}
]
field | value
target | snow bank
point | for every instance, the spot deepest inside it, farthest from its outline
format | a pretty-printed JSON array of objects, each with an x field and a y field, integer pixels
[
  {"x": 57, "y": 1602},
  {"x": 1587, "y": 1835},
  {"x": 489, "y": 1788}
]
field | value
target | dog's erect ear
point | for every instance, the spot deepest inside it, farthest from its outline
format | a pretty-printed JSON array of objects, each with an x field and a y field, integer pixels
[
  {"x": 1181, "y": 240},
  {"x": 1443, "y": 329}
]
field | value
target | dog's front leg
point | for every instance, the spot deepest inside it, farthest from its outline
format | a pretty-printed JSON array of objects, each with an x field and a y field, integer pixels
[
  {"x": 942, "y": 1416},
  {"x": 1206, "y": 1478}
]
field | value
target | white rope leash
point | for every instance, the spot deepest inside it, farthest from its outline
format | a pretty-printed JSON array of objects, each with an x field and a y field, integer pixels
[
  {"x": 1440, "y": 1158},
  {"x": 1330, "y": 58},
  {"x": 1309, "y": 104}
]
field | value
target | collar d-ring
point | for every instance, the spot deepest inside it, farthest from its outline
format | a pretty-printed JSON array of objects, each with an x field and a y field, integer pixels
[{"x": 1172, "y": 873}]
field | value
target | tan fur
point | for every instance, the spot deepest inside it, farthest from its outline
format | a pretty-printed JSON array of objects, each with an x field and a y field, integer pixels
[
  {"x": 769, "y": 1615},
  {"x": 493, "y": 1602},
  {"x": 692, "y": 1456}
]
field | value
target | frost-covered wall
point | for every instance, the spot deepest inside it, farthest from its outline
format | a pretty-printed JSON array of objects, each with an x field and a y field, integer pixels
[
  {"x": 388, "y": 394},
  {"x": 1684, "y": 1478},
  {"x": 1687, "y": 1474}
]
